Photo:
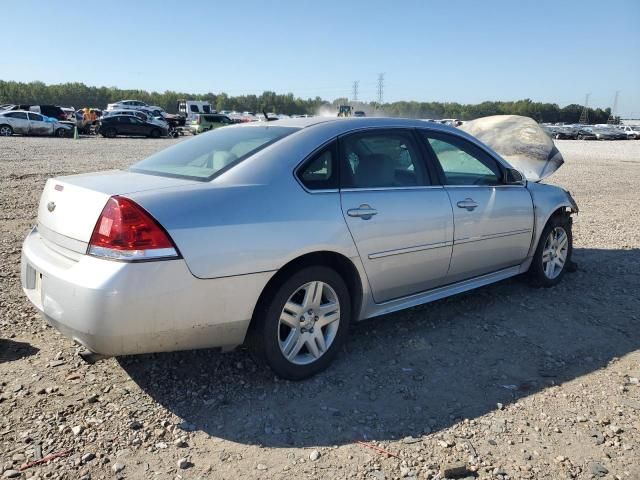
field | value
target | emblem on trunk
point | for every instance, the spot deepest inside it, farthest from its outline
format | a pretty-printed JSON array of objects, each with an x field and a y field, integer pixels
[{"x": 51, "y": 206}]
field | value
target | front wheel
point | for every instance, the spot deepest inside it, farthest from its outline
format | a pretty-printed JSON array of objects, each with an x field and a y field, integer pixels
[
  {"x": 6, "y": 131},
  {"x": 155, "y": 133},
  {"x": 301, "y": 328},
  {"x": 61, "y": 133},
  {"x": 553, "y": 255}
]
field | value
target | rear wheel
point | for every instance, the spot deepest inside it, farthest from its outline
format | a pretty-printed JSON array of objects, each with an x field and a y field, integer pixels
[
  {"x": 6, "y": 131},
  {"x": 300, "y": 329},
  {"x": 109, "y": 133},
  {"x": 553, "y": 255}
]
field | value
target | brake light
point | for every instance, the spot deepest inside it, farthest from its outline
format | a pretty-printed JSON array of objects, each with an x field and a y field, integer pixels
[{"x": 125, "y": 231}]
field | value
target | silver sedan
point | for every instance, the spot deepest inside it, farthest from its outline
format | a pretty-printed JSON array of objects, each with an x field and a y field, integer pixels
[
  {"x": 31, "y": 123},
  {"x": 278, "y": 235}
]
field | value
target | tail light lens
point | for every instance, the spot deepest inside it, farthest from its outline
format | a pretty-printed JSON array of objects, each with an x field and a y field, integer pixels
[{"x": 125, "y": 231}]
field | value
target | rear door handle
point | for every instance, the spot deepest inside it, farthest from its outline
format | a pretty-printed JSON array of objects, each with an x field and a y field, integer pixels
[
  {"x": 467, "y": 203},
  {"x": 364, "y": 211}
]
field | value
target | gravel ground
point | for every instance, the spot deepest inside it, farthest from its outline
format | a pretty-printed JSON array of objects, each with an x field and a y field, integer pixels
[{"x": 503, "y": 382}]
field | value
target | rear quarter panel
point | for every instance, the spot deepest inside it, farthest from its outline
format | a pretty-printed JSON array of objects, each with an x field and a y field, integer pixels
[{"x": 236, "y": 230}]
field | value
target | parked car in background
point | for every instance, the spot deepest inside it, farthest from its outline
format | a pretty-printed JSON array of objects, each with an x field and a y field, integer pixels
[
  {"x": 141, "y": 114},
  {"x": 566, "y": 132},
  {"x": 632, "y": 132},
  {"x": 281, "y": 234},
  {"x": 128, "y": 105},
  {"x": 128, "y": 125},
  {"x": 359, "y": 113},
  {"x": 607, "y": 133},
  {"x": 203, "y": 122},
  {"x": 584, "y": 133},
  {"x": 31, "y": 123}
]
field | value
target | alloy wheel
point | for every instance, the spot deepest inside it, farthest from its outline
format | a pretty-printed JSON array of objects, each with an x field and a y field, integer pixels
[
  {"x": 309, "y": 323},
  {"x": 554, "y": 253},
  {"x": 5, "y": 131}
]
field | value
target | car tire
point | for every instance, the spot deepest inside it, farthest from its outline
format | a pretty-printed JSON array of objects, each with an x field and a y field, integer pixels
[
  {"x": 61, "y": 133},
  {"x": 155, "y": 133},
  {"x": 109, "y": 133},
  {"x": 299, "y": 338},
  {"x": 6, "y": 131},
  {"x": 553, "y": 256},
  {"x": 580, "y": 137}
]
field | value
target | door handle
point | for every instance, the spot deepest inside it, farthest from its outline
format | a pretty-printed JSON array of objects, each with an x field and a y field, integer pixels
[
  {"x": 364, "y": 211},
  {"x": 467, "y": 203}
]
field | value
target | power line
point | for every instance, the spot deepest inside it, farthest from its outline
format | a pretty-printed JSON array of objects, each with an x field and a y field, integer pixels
[
  {"x": 584, "y": 116},
  {"x": 612, "y": 117}
]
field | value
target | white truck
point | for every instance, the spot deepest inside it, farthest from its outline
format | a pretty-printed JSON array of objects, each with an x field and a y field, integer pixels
[{"x": 190, "y": 108}]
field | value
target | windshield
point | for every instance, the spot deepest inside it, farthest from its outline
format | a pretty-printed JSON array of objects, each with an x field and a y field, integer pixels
[{"x": 208, "y": 155}]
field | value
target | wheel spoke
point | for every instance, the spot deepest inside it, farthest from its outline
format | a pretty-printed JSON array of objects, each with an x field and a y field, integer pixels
[
  {"x": 546, "y": 255},
  {"x": 548, "y": 269},
  {"x": 309, "y": 294},
  {"x": 317, "y": 295},
  {"x": 312, "y": 346},
  {"x": 293, "y": 307},
  {"x": 327, "y": 319},
  {"x": 319, "y": 339},
  {"x": 289, "y": 320},
  {"x": 293, "y": 344},
  {"x": 559, "y": 262}
]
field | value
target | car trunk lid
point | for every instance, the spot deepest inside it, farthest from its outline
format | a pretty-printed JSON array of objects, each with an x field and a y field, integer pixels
[{"x": 70, "y": 206}]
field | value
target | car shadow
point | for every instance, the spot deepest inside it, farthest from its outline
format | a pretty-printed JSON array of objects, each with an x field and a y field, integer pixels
[
  {"x": 11, "y": 350},
  {"x": 416, "y": 371}
]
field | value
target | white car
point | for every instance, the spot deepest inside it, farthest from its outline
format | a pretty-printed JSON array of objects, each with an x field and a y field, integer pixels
[
  {"x": 133, "y": 105},
  {"x": 632, "y": 131}
]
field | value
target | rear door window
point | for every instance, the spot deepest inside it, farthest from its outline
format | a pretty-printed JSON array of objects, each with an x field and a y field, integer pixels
[
  {"x": 21, "y": 115},
  {"x": 36, "y": 117},
  {"x": 381, "y": 159}
]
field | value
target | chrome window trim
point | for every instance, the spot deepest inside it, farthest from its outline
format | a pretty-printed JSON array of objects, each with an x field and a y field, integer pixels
[
  {"x": 503, "y": 185},
  {"x": 380, "y": 189}
]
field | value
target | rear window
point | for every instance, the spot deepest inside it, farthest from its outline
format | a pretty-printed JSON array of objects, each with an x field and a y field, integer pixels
[{"x": 206, "y": 156}]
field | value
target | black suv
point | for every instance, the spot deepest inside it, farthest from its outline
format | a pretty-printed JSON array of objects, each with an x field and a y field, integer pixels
[{"x": 129, "y": 125}]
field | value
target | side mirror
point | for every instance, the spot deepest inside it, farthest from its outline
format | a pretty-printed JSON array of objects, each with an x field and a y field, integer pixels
[{"x": 514, "y": 177}]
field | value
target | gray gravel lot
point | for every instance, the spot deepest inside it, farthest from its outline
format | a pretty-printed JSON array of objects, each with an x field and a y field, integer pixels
[{"x": 503, "y": 382}]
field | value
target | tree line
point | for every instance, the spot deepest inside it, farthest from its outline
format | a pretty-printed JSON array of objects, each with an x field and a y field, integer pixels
[{"x": 80, "y": 95}]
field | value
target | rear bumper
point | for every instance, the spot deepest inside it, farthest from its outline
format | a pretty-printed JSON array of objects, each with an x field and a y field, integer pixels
[{"x": 119, "y": 308}]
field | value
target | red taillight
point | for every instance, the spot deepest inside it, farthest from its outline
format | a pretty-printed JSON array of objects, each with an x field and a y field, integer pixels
[{"x": 125, "y": 231}]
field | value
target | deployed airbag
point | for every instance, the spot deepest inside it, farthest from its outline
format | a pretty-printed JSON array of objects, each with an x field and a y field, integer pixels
[{"x": 520, "y": 141}]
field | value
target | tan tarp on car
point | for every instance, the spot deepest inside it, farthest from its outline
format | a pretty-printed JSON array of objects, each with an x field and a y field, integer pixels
[{"x": 520, "y": 141}]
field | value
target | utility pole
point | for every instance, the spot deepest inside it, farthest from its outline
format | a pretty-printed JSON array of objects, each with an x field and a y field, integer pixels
[
  {"x": 380, "y": 89},
  {"x": 356, "y": 83},
  {"x": 612, "y": 117},
  {"x": 584, "y": 116}
]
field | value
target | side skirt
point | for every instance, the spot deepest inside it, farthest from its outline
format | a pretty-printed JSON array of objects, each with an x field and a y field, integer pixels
[{"x": 376, "y": 309}]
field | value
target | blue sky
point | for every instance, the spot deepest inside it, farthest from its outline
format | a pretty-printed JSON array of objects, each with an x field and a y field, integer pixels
[{"x": 465, "y": 51}]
